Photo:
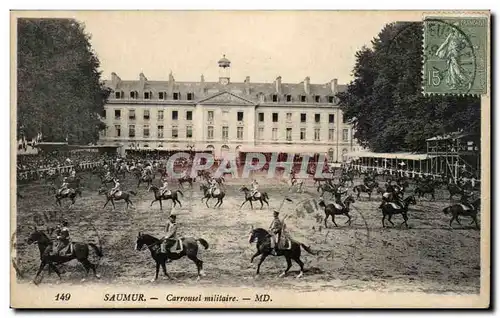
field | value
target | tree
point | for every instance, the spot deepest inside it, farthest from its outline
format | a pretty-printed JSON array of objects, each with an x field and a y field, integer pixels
[
  {"x": 59, "y": 90},
  {"x": 385, "y": 104}
]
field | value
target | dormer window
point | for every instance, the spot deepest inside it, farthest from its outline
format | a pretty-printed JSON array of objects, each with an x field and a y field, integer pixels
[
  {"x": 330, "y": 99},
  {"x": 190, "y": 96},
  {"x": 177, "y": 96},
  {"x": 275, "y": 98},
  {"x": 119, "y": 95},
  {"x": 317, "y": 98},
  {"x": 288, "y": 98},
  {"x": 134, "y": 95},
  {"x": 147, "y": 95},
  {"x": 261, "y": 97},
  {"x": 162, "y": 95},
  {"x": 303, "y": 98}
]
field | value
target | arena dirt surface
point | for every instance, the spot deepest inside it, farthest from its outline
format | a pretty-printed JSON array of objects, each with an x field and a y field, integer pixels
[{"x": 428, "y": 257}]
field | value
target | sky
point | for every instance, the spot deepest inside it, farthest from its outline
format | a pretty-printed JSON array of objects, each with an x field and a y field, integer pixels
[{"x": 260, "y": 44}]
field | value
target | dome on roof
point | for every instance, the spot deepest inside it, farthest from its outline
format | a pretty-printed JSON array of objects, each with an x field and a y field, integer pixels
[{"x": 224, "y": 62}]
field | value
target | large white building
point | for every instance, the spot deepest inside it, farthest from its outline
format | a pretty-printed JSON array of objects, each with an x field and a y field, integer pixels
[{"x": 227, "y": 117}]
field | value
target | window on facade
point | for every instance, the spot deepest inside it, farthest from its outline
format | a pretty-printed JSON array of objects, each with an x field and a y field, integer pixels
[
  {"x": 288, "y": 117},
  {"x": 146, "y": 114},
  {"x": 118, "y": 114},
  {"x": 162, "y": 95},
  {"x": 303, "y": 118},
  {"x": 118, "y": 130},
  {"x": 175, "y": 132},
  {"x": 210, "y": 115},
  {"x": 345, "y": 134},
  {"x": 160, "y": 131},
  {"x": 225, "y": 132},
  {"x": 131, "y": 131},
  {"x": 331, "y": 118},
  {"x": 177, "y": 96},
  {"x": 160, "y": 115},
  {"x": 240, "y": 116},
  {"x": 317, "y": 118},
  {"x": 331, "y": 134},
  {"x": 275, "y": 98},
  {"x": 344, "y": 118},
  {"x": 261, "y": 117},
  {"x": 239, "y": 133},
  {"x": 118, "y": 95},
  {"x": 303, "y": 98},
  {"x": 190, "y": 96},
  {"x": 289, "y": 134},
  {"x": 317, "y": 98},
  {"x": 131, "y": 114},
  {"x": 274, "y": 135},
  {"x": 316, "y": 134},
  {"x": 262, "y": 98},
  {"x": 147, "y": 95},
  {"x": 145, "y": 131},
  {"x": 260, "y": 133},
  {"x": 275, "y": 117},
  {"x": 331, "y": 99},
  {"x": 189, "y": 115},
  {"x": 288, "y": 98},
  {"x": 104, "y": 114},
  {"x": 302, "y": 134},
  {"x": 210, "y": 132},
  {"x": 189, "y": 131},
  {"x": 175, "y": 115},
  {"x": 133, "y": 95}
]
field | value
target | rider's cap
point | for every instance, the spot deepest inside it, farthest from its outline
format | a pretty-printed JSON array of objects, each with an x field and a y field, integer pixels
[
  {"x": 276, "y": 212},
  {"x": 173, "y": 217}
]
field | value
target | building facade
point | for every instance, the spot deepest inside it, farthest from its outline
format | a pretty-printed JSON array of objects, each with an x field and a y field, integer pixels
[{"x": 227, "y": 117}]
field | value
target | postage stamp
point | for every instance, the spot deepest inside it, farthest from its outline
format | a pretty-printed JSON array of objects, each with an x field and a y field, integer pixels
[
  {"x": 155, "y": 172},
  {"x": 455, "y": 55}
]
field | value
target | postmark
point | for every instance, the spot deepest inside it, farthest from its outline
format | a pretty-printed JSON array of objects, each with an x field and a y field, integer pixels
[{"x": 455, "y": 55}]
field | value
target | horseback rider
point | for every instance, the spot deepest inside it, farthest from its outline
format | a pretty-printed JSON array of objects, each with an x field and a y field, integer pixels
[
  {"x": 464, "y": 200},
  {"x": 276, "y": 228},
  {"x": 64, "y": 185},
  {"x": 73, "y": 173},
  {"x": 171, "y": 234},
  {"x": 116, "y": 188},
  {"x": 63, "y": 238},
  {"x": 213, "y": 185},
  {"x": 164, "y": 187},
  {"x": 254, "y": 187}
]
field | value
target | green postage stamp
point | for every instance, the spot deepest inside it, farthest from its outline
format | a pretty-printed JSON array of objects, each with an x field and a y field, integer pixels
[{"x": 455, "y": 55}]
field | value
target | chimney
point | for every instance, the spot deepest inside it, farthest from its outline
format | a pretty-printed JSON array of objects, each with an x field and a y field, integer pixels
[
  {"x": 142, "y": 79},
  {"x": 277, "y": 84},
  {"x": 171, "y": 82},
  {"x": 202, "y": 84},
  {"x": 334, "y": 86},
  {"x": 307, "y": 85},
  {"x": 202, "y": 79},
  {"x": 247, "y": 85},
  {"x": 115, "y": 80}
]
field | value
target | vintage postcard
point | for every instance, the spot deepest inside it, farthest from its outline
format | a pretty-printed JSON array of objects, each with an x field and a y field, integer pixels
[{"x": 250, "y": 159}]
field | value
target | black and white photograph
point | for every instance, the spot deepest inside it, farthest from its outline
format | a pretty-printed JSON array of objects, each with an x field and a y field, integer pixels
[{"x": 250, "y": 159}]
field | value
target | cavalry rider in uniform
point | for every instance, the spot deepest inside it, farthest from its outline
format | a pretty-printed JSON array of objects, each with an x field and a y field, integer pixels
[
  {"x": 213, "y": 185},
  {"x": 164, "y": 187},
  {"x": 63, "y": 238},
  {"x": 116, "y": 188},
  {"x": 171, "y": 234},
  {"x": 276, "y": 228},
  {"x": 64, "y": 185},
  {"x": 464, "y": 200},
  {"x": 254, "y": 187}
]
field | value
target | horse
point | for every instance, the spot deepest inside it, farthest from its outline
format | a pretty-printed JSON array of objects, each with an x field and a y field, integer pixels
[
  {"x": 106, "y": 180},
  {"x": 206, "y": 195},
  {"x": 172, "y": 196},
  {"x": 391, "y": 208},
  {"x": 457, "y": 210},
  {"x": 333, "y": 209},
  {"x": 69, "y": 193},
  {"x": 189, "y": 249},
  {"x": 295, "y": 182},
  {"x": 365, "y": 188},
  {"x": 327, "y": 187},
  {"x": 186, "y": 179},
  {"x": 425, "y": 188},
  {"x": 263, "y": 240},
  {"x": 249, "y": 198},
  {"x": 120, "y": 195},
  {"x": 454, "y": 189},
  {"x": 147, "y": 178},
  {"x": 79, "y": 251},
  {"x": 347, "y": 177}
]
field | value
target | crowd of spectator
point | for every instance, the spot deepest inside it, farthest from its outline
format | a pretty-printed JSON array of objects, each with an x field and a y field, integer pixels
[{"x": 55, "y": 160}]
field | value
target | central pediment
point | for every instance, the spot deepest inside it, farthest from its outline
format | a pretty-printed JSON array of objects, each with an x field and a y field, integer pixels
[{"x": 226, "y": 98}]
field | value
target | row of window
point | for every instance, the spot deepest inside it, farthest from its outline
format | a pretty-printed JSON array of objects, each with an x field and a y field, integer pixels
[
  {"x": 225, "y": 133},
  {"x": 146, "y": 115},
  {"x": 190, "y": 96},
  {"x": 303, "y": 118}
]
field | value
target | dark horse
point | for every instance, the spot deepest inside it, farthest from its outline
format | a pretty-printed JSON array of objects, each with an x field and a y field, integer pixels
[
  {"x": 189, "y": 249},
  {"x": 455, "y": 189},
  {"x": 263, "y": 240},
  {"x": 366, "y": 188},
  {"x": 424, "y": 188},
  {"x": 147, "y": 178},
  {"x": 333, "y": 209},
  {"x": 457, "y": 210},
  {"x": 249, "y": 198},
  {"x": 206, "y": 195},
  {"x": 187, "y": 180},
  {"x": 80, "y": 251},
  {"x": 172, "y": 196},
  {"x": 122, "y": 195},
  {"x": 69, "y": 193},
  {"x": 391, "y": 208}
]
